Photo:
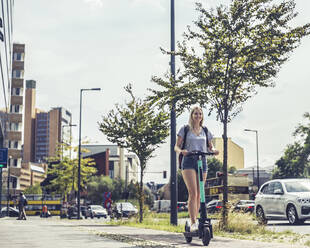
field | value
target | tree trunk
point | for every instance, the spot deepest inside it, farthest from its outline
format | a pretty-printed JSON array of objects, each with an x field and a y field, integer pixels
[
  {"x": 141, "y": 197},
  {"x": 225, "y": 176}
]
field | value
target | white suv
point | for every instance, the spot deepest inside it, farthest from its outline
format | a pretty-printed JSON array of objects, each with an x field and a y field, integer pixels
[{"x": 283, "y": 199}]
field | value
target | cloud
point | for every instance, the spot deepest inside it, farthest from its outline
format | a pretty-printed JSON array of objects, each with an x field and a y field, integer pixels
[{"x": 95, "y": 3}]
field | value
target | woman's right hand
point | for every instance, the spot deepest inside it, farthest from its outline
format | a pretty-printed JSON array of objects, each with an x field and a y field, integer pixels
[{"x": 184, "y": 152}]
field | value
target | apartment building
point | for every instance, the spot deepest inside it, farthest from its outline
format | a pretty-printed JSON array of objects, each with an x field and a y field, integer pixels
[
  {"x": 235, "y": 153},
  {"x": 112, "y": 161}
]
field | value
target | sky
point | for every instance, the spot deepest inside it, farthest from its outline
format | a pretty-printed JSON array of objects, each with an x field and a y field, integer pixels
[{"x": 75, "y": 44}]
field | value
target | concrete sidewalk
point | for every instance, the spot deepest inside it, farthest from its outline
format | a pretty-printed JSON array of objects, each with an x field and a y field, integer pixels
[{"x": 55, "y": 232}]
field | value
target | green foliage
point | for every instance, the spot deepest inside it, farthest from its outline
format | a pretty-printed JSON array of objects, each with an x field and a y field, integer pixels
[
  {"x": 33, "y": 190},
  {"x": 99, "y": 184},
  {"x": 214, "y": 165},
  {"x": 295, "y": 162},
  {"x": 139, "y": 127},
  {"x": 230, "y": 54},
  {"x": 65, "y": 171},
  {"x": 96, "y": 186}
]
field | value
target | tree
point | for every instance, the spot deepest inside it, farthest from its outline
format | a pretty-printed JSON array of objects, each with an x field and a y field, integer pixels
[
  {"x": 295, "y": 161},
  {"x": 214, "y": 165},
  {"x": 240, "y": 48},
  {"x": 65, "y": 171},
  {"x": 33, "y": 190},
  {"x": 139, "y": 127}
]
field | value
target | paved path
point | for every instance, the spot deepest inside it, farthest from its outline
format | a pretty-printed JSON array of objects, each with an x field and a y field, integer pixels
[{"x": 57, "y": 233}]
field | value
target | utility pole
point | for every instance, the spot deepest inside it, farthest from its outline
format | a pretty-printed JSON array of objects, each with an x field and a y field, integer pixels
[{"x": 173, "y": 175}]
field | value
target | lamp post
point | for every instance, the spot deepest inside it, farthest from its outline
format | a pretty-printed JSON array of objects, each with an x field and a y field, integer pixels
[
  {"x": 251, "y": 130},
  {"x": 173, "y": 175},
  {"x": 79, "y": 152},
  {"x": 8, "y": 187}
]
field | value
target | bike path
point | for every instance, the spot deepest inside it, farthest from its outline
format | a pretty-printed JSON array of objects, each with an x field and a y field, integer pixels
[{"x": 54, "y": 232}]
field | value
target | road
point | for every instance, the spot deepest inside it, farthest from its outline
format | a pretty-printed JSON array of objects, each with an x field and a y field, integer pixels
[
  {"x": 280, "y": 226},
  {"x": 54, "y": 232}
]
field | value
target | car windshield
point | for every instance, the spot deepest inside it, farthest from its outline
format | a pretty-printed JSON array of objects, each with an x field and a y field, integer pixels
[
  {"x": 303, "y": 186},
  {"x": 97, "y": 207},
  {"x": 126, "y": 205}
]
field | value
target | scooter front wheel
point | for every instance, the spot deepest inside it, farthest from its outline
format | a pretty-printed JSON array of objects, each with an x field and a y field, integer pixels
[
  {"x": 187, "y": 229},
  {"x": 206, "y": 236}
]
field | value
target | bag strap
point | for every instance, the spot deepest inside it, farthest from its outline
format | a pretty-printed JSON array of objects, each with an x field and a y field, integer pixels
[
  {"x": 186, "y": 128},
  {"x": 207, "y": 138}
]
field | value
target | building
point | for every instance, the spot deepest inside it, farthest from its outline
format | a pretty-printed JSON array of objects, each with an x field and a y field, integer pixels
[
  {"x": 112, "y": 161},
  {"x": 49, "y": 132},
  {"x": 235, "y": 153},
  {"x": 13, "y": 121},
  {"x": 31, "y": 135}
]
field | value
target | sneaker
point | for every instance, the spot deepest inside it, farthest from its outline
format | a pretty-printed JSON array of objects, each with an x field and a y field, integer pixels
[{"x": 194, "y": 227}]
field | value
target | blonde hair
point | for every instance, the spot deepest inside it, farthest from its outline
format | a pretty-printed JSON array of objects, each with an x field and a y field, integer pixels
[{"x": 191, "y": 121}]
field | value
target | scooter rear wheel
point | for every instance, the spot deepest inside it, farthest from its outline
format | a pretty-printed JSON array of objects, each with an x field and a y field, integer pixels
[{"x": 206, "y": 236}]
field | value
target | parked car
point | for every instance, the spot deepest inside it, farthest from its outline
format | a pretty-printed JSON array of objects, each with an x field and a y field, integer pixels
[
  {"x": 214, "y": 206},
  {"x": 182, "y": 206},
  {"x": 161, "y": 206},
  {"x": 283, "y": 199},
  {"x": 13, "y": 212},
  {"x": 124, "y": 209},
  {"x": 246, "y": 206},
  {"x": 72, "y": 212},
  {"x": 95, "y": 211}
]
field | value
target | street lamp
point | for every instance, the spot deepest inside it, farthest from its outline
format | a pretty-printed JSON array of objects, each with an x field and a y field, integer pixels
[
  {"x": 250, "y": 130},
  {"x": 8, "y": 187},
  {"x": 79, "y": 167}
]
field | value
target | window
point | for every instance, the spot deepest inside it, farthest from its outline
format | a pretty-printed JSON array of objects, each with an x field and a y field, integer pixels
[
  {"x": 111, "y": 169},
  {"x": 17, "y": 91},
  {"x": 18, "y": 57},
  {"x": 13, "y": 181},
  {"x": 17, "y": 74},
  {"x": 15, "y": 144},
  {"x": 15, "y": 162},
  {"x": 265, "y": 189}
]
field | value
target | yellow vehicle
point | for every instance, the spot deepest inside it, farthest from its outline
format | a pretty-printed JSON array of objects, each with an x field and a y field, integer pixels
[
  {"x": 36, "y": 203},
  {"x": 238, "y": 188}
]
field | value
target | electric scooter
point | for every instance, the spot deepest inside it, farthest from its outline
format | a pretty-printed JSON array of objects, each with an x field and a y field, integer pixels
[{"x": 204, "y": 231}]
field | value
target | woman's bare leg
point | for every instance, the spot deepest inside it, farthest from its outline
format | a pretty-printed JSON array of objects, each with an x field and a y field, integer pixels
[{"x": 190, "y": 179}]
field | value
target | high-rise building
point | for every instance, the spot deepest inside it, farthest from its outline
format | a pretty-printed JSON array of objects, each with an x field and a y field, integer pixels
[
  {"x": 14, "y": 137},
  {"x": 49, "y": 131}
]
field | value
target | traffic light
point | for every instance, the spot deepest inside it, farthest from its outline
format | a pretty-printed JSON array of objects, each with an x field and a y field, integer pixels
[
  {"x": 164, "y": 174},
  {"x": 3, "y": 165}
]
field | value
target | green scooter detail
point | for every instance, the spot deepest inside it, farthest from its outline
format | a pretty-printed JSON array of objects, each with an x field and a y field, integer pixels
[{"x": 204, "y": 231}]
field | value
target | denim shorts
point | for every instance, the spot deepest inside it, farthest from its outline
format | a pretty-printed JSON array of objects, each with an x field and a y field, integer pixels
[{"x": 190, "y": 162}]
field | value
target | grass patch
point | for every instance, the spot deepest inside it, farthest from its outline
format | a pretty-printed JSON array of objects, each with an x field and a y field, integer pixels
[{"x": 240, "y": 226}]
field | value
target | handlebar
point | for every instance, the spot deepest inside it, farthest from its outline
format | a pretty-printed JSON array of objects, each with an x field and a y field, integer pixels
[{"x": 198, "y": 153}]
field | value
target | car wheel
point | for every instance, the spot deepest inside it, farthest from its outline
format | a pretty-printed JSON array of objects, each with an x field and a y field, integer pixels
[
  {"x": 291, "y": 214},
  {"x": 261, "y": 216}
]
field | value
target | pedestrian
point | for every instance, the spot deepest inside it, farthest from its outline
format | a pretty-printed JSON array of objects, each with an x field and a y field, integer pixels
[
  {"x": 44, "y": 211},
  {"x": 22, "y": 202},
  {"x": 196, "y": 137}
]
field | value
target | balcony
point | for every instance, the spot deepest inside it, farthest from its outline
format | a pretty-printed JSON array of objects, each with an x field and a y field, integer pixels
[
  {"x": 14, "y": 135},
  {"x": 18, "y": 100},
  {"x": 15, "y": 153},
  {"x": 17, "y": 83},
  {"x": 13, "y": 117},
  {"x": 18, "y": 65},
  {"x": 15, "y": 171}
]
